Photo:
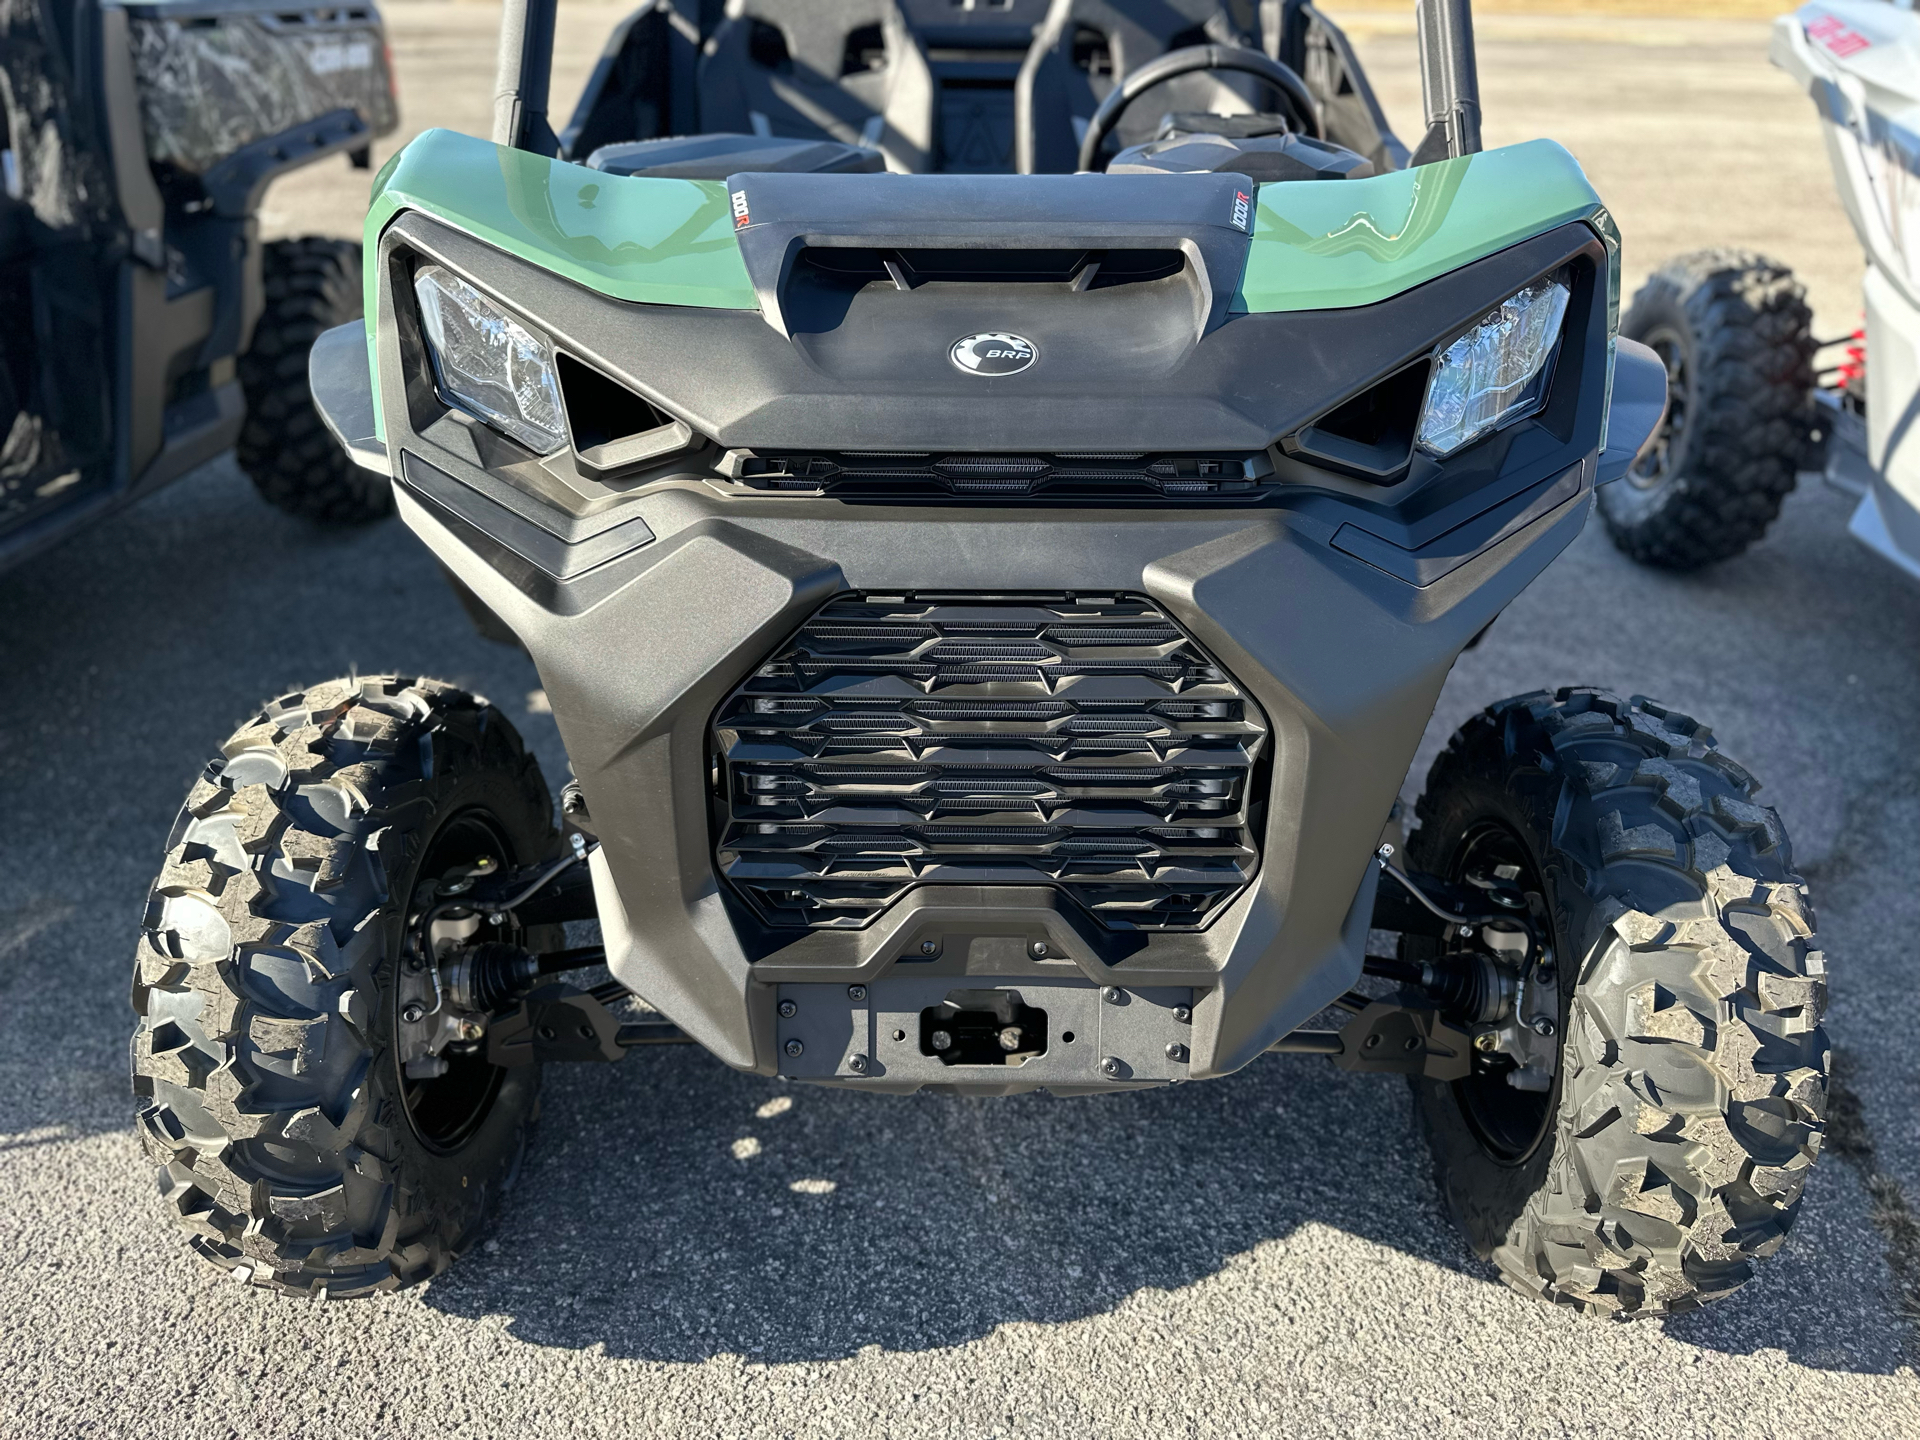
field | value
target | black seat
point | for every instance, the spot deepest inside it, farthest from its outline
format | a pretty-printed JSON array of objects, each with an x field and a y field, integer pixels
[
  {"x": 1085, "y": 47},
  {"x": 846, "y": 70}
]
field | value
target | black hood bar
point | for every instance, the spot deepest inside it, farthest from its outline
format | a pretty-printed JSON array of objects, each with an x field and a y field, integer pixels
[
  {"x": 1449, "y": 80},
  {"x": 522, "y": 81}
]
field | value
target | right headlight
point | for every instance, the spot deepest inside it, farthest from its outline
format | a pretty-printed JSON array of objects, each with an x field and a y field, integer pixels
[
  {"x": 489, "y": 364},
  {"x": 1496, "y": 373}
]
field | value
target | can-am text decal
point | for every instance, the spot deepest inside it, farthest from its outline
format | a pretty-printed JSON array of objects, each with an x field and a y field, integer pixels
[{"x": 1837, "y": 36}]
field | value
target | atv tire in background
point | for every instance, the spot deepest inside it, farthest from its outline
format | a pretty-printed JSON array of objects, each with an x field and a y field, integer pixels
[
  {"x": 1668, "y": 1149},
  {"x": 292, "y": 1148},
  {"x": 311, "y": 285},
  {"x": 1736, "y": 335}
]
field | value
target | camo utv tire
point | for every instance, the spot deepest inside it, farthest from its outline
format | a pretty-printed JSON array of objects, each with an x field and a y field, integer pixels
[
  {"x": 311, "y": 284},
  {"x": 1690, "y": 1096},
  {"x": 1736, "y": 335},
  {"x": 291, "y": 1148}
]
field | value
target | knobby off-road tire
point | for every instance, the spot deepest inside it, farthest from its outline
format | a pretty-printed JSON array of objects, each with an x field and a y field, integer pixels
[
  {"x": 312, "y": 285},
  {"x": 289, "y": 1145},
  {"x": 1690, "y": 1095},
  {"x": 1736, "y": 335}
]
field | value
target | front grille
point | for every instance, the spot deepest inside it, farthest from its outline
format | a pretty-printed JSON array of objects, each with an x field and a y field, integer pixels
[
  {"x": 1085, "y": 476},
  {"x": 1081, "y": 742}
]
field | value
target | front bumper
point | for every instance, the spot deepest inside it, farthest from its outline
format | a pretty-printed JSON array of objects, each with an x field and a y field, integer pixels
[{"x": 1336, "y": 605}]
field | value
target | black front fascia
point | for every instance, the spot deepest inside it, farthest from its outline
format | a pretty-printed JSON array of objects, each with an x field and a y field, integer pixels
[{"x": 1341, "y": 650}]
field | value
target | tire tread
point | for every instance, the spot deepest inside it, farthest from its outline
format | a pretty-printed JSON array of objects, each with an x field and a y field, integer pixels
[
  {"x": 258, "y": 983},
  {"x": 312, "y": 284},
  {"x": 1698, "y": 960},
  {"x": 1750, "y": 415}
]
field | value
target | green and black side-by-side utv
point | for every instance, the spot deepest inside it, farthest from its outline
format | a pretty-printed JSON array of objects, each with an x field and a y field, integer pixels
[
  {"x": 147, "y": 328},
  {"x": 992, "y": 493}
]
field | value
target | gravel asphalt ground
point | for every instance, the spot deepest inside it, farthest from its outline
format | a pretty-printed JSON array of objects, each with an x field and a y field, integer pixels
[{"x": 695, "y": 1252}]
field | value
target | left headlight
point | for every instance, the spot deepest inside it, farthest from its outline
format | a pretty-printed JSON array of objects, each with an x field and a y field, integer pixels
[
  {"x": 1496, "y": 373},
  {"x": 486, "y": 362}
]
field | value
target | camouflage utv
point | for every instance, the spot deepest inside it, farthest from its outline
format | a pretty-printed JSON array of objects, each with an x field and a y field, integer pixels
[{"x": 148, "y": 328}]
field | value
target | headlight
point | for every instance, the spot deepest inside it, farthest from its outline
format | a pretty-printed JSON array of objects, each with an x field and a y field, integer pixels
[
  {"x": 1495, "y": 373},
  {"x": 484, "y": 361}
]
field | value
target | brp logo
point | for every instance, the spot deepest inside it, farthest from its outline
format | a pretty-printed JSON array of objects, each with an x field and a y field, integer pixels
[{"x": 993, "y": 353}]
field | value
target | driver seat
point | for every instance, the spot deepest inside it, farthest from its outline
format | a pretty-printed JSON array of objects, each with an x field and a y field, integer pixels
[
  {"x": 846, "y": 70},
  {"x": 1086, "y": 47}
]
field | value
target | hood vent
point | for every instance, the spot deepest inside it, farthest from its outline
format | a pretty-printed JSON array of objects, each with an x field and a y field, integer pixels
[
  {"x": 1075, "y": 269},
  {"x": 941, "y": 221}
]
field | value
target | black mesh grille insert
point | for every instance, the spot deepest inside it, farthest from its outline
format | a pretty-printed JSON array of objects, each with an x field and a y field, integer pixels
[{"x": 1087, "y": 743}]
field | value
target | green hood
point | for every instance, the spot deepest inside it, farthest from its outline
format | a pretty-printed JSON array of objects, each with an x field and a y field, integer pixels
[
  {"x": 1317, "y": 245},
  {"x": 660, "y": 242},
  {"x": 1332, "y": 244}
]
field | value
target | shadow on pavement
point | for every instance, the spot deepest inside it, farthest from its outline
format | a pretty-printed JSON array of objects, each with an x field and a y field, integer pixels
[{"x": 673, "y": 1210}]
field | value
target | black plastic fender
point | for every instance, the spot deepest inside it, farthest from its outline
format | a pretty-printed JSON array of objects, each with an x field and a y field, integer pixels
[
  {"x": 341, "y": 378},
  {"x": 1636, "y": 408}
]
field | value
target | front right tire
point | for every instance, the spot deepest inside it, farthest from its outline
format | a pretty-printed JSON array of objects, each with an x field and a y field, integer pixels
[{"x": 1669, "y": 1151}]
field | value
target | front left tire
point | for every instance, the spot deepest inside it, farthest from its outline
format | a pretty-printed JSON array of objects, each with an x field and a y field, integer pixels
[{"x": 291, "y": 1147}]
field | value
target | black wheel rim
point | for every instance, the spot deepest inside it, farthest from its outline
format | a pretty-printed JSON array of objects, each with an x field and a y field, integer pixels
[
  {"x": 1667, "y": 453},
  {"x": 445, "y": 1111},
  {"x": 1510, "y": 1124}
]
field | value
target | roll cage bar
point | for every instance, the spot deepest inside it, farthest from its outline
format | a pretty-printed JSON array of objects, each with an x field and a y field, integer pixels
[{"x": 1449, "y": 78}]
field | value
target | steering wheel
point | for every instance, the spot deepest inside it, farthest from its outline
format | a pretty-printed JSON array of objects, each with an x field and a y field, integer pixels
[{"x": 1184, "y": 62}]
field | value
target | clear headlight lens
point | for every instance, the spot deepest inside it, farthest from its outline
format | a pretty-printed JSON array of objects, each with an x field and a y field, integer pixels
[
  {"x": 1496, "y": 372},
  {"x": 485, "y": 362}
]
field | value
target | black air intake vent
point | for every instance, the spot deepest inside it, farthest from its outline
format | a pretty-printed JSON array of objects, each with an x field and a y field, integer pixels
[
  {"x": 1055, "y": 478},
  {"x": 1372, "y": 434},
  {"x": 1077, "y": 268},
  {"x": 1085, "y": 743}
]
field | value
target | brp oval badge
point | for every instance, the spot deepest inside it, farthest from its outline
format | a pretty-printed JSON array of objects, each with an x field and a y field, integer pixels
[{"x": 993, "y": 353}]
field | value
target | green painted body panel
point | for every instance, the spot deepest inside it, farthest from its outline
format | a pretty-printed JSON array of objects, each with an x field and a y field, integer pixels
[
  {"x": 1334, "y": 244},
  {"x": 1317, "y": 245},
  {"x": 660, "y": 242}
]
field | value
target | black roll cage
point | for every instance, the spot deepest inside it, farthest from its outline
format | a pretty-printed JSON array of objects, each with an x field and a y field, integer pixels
[{"x": 1449, "y": 77}]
